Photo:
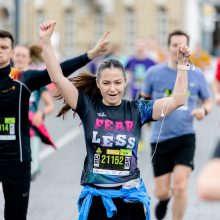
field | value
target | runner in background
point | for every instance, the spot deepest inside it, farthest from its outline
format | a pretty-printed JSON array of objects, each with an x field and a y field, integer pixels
[
  {"x": 203, "y": 60},
  {"x": 216, "y": 83},
  {"x": 15, "y": 152},
  {"x": 173, "y": 138},
  {"x": 209, "y": 179},
  {"x": 25, "y": 58},
  {"x": 136, "y": 69},
  {"x": 38, "y": 131}
]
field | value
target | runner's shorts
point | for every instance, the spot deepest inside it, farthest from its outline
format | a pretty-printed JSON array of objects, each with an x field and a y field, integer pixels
[
  {"x": 217, "y": 150},
  {"x": 178, "y": 150}
]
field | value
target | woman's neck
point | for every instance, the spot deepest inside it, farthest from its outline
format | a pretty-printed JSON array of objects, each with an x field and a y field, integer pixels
[{"x": 172, "y": 64}]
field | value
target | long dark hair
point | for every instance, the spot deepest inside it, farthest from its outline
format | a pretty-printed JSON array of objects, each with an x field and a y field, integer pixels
[{"x": 86, "y": 82}]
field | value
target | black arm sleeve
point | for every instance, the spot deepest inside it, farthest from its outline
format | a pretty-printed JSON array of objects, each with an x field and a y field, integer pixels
[
  {"x": 217, "y": 150},
  {"x": 35, "y": 79}
]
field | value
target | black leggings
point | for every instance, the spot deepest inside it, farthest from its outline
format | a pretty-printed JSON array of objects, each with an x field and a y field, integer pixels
[
  {"x": 15, "y": 178},
  {"x": 125, "y": 211}
]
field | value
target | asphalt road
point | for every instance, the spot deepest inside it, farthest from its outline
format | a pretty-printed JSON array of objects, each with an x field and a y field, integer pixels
[{"x": 55, "y": 192}]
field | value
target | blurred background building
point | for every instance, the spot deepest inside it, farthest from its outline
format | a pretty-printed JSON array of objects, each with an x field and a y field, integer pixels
[{"x": 81, "y": 22}]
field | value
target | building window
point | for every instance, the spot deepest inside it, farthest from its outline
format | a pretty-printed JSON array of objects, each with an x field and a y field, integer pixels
[
  {"x": 130, "y": 29},
  {"x": 40, "y": 17},
  {"x": 69, "y": 34},
  {"x": 4, "y": 18},
  {"x": 216, "y": 33},
  {"x": 162, "y": 26}
]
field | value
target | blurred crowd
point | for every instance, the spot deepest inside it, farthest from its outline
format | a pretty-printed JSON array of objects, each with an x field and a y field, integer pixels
[{"x": 147, "y": 52}]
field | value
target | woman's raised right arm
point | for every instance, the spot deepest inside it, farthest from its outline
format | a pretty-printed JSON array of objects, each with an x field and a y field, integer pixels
[{"x": 66, "y": 88}]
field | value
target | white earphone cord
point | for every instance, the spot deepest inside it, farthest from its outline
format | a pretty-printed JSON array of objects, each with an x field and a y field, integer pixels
[{"x": 164, "y": 116}]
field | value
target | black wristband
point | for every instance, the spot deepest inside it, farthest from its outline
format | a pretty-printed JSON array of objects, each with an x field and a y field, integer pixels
[
  {"x": 205, "y": 110},
  {"x": 43, "y": 114}
]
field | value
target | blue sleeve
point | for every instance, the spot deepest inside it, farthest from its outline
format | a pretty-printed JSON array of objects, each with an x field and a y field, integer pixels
[
  {"x": 34, "y": 79},
  {"x": 145, "y": 108},
  {"x": 128, "y": 64},
  {"x": 217, "y": 150},
  {"x": 147, "y": 85},
  {"x": 204, "y": 91}
]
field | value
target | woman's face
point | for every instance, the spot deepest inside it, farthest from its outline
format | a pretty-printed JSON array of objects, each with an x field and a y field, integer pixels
[
  {"x": 175, "y": 42},
  {"x": 112, "y": 85},
  {"x": 21, "y": 57}
]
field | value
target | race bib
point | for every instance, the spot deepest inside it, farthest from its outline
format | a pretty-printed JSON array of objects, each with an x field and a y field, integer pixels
[
  {"x": 7, "y": 128},
  {"x": 112, "y": 161}
]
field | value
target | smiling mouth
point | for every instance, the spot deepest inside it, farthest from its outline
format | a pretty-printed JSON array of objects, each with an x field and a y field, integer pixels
[{"x": 112, "y": 95}]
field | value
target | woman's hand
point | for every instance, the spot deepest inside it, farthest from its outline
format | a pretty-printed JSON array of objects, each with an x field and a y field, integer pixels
[
  {"x": 198, "y": 113},
  {"x": 38, "y": 118},
  {"x": 183, "y": 54},
  {"x": 101, "y": 47},
  {"x": 46, "y": 30}
]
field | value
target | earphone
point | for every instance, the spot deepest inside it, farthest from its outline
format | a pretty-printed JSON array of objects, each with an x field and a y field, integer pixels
[
  {"x": 162, "y": 113},
  {"x": 193, "y": 66}
]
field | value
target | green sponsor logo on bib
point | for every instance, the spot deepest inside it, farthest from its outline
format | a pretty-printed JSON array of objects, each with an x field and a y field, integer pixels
[
  {"x": 99, "y": 151},
  {"x": 125, "y": 152},
  {"x": 9, "y": 120}
]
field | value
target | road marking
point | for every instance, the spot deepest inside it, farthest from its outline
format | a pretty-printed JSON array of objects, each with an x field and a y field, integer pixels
[{"x": 60, "y": 143}]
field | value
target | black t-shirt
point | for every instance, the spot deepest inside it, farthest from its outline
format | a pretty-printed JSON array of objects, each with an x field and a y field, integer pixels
[
  {"x": 111, "y": 136},
  {"x": 14, "y": 106}
]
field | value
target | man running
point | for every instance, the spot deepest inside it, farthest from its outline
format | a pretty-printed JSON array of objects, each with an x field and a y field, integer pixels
[
  {"x": 15, "y": 153},
  {"x": 173, "y": 137}
]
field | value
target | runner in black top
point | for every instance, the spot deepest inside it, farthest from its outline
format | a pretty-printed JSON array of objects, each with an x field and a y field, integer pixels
[
  {"x": 112, "y": 129},
  {"x": 15, "y": 155}
]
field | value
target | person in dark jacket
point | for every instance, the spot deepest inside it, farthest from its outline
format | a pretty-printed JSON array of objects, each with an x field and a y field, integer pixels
[{"x": 15, "y": 153}]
